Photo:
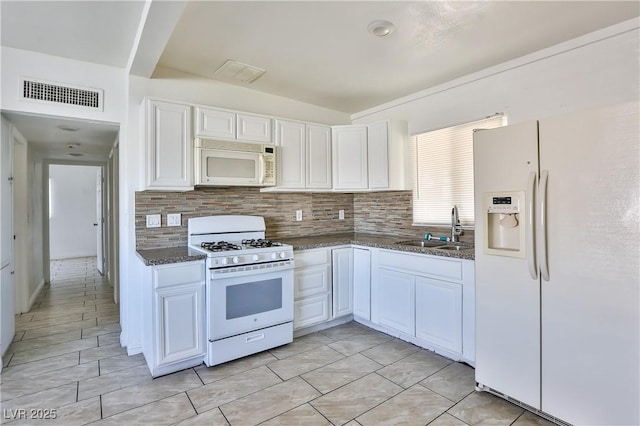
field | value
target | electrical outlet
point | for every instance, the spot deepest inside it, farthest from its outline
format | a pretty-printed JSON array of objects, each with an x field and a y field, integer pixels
[
  {"x": 153, "y": 221},
  {"x": 341, "y": 214},
  {"x": 174, "y": 219},
  {"x": 298, "y": 215}
]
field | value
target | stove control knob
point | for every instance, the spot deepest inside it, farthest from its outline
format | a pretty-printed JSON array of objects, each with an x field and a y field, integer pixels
[
  {"x": 224, "y": 261},
  {"x": 274, "y": 255},
  {"x": 283, "y": 255},
  {"x": 255, "y": 257},
  {"x": 235, "y": 259}
]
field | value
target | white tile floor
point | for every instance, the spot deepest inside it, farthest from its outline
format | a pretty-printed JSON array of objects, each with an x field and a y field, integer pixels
[{"x": 66, "y": 361}]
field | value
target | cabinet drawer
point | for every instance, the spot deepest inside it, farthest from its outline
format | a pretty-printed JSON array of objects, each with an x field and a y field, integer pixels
[
  {"x": 312, "y": 310},
  {"x": 179, "y": 273},
  {"x": 312, "y": 257},
  {"x": 421, "y": 264},
  {"x": 312, "y": 280}
]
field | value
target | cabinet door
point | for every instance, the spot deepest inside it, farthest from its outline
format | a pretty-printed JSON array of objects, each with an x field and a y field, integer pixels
[
  {"x": 291, "y": 152},
  {"x": 378, "y": 155},
  {"x": 342, "y": 281},
  {"x": 312, "y": 280},
  {"x": 253, "y": 128},
  {"x": 394, "y": 300},
  {"x": 312, "y": 310},
  {"x": 180, "y": 323},
  {"x": 439, "y": 313},
  {"x": 362, "y": 283},
  {"x": 169, "y": 146},
  {"x": 215, "y": 123},
  {"x": 350, "y": 157},
  {"x": 318, "y": 159}
]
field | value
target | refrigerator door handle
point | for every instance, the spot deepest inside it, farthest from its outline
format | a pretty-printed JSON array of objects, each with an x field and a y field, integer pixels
[
  {"x": 544, "y": 264},
  {"x": 529, "y": 235}
]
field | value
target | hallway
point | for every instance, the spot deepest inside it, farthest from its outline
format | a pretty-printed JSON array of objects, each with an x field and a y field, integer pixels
[{"x": 71, "y": 333}]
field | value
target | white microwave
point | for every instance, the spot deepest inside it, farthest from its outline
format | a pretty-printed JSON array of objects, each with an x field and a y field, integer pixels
[{"x": 222, "y": 163}]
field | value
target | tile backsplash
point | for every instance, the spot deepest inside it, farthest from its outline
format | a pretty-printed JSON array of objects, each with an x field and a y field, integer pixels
[
  {"x": 319, "y": 212},
  {"x": 376, "y": 212}
]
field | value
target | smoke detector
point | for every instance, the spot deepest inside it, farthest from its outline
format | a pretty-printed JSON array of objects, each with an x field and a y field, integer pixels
[{"x": 381, "y": 28}]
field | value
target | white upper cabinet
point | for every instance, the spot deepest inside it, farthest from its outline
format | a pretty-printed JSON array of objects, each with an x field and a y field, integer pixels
[
  {"x": 214, "y": 123},
  {"x": 169, "y": 148},
  {"x": 372, "y": 158},
  {"x": 304, "y": 155},
  {"x": 318, "y": 162},
  {"x": 378, "y": 155},
  {"x": 291, "y": 154},
  {"x": 350, "y": 157},
  {"x": 230, "y": 125},
  {"x": 253, "y": 128}
]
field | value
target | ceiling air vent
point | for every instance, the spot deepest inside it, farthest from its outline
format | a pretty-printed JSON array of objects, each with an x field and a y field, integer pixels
[{"x": 40, "y": 91}]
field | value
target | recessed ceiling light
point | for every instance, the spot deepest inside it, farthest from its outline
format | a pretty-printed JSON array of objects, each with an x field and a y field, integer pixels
[
  {"x": 75, "y": 154},
  {"x": 68, "y": 128},
  {"x": 238, "y": 71},
  {"x": 381, "y": 28},
  {"x": 73, "y": 145}
]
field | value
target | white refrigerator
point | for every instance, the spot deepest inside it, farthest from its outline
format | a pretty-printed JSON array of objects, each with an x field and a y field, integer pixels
[{"x": 557, "y": 264}]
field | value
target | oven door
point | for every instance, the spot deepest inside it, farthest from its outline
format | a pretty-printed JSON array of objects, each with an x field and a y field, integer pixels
[{"x": 239, "y": 304}]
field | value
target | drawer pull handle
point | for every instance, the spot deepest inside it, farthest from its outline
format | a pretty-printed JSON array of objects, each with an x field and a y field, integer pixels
[{"x": 255, "y": 338}]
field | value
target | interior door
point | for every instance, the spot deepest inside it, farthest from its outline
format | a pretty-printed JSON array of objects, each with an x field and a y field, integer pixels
[
  {"x": 7, "y": 288},
  {"x": 99, "y": 223},
  {"x": 590, "y": 305}
]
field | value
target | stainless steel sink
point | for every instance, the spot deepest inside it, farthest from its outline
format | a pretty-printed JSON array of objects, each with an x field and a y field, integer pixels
[
  {"x": 438, "y": 245},
  {"x": 421, "y": 243}
]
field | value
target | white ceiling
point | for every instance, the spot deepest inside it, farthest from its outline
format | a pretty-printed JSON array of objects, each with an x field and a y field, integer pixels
[
  {"x": 320, "y": 51},
  {"x": 48, "y": 135},
  {"x": 314, "y": 51}
]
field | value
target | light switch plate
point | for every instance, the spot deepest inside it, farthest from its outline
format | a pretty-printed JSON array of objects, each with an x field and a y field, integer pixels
[
  {"x": 174, "y": 219},
  {"x": 341, "y": 214},
  {"x": 298, "y": 215},
  {"x": 153, "y": 221}
]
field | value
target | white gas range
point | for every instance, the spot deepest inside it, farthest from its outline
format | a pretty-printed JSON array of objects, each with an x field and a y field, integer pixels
[{"x": 249, "y": 286}]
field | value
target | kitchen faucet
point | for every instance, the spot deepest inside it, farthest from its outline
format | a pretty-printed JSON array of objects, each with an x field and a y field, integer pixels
[{"x": 456, "y": 229}]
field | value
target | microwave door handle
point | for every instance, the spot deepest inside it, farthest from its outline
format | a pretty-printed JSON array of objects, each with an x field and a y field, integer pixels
[{"x": 261, "y": 171}]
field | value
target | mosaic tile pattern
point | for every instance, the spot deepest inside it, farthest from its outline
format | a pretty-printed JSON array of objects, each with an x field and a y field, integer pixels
[
  {"x": 376, "y": 213},
  {"x": 347, "y": 374}
]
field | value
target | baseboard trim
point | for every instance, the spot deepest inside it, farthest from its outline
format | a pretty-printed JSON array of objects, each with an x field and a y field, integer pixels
[{"x": 34, "y": 295}]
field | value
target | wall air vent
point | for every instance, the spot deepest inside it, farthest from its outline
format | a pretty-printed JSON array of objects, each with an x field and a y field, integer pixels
[{"x": 52, "y": 93}]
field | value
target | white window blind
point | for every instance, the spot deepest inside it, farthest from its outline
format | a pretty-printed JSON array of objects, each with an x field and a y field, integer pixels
[{"x": 444, "y": 172}]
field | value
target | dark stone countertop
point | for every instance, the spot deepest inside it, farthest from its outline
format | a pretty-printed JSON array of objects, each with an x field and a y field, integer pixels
[
  {"x": 373, "y": 240},
  {"x": 163, "y": 256}
]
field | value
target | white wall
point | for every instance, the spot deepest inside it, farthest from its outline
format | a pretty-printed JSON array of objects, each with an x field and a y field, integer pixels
[
  {"x": 595, "y": 70},
  {"x": 72, "y": 207},
  {"x": 35, "y": 242}
]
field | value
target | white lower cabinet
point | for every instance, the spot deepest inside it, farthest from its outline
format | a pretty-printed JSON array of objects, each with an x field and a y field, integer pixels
[
  {"x": 174, "y": 317},
  {"x": 312, "y": 287},
  {"x": 425, "y": 299},
  {"x": 362, "y": 283},
  {"x": 342, "y": 270},
  {"x": 394, "y": 300},
  {"x": 439, "y": 313}
]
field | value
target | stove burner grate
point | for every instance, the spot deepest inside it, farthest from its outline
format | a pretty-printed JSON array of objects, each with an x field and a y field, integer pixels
[
  {"x": 220, "y": 246},
  {"x": 261, "y": 243}
]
